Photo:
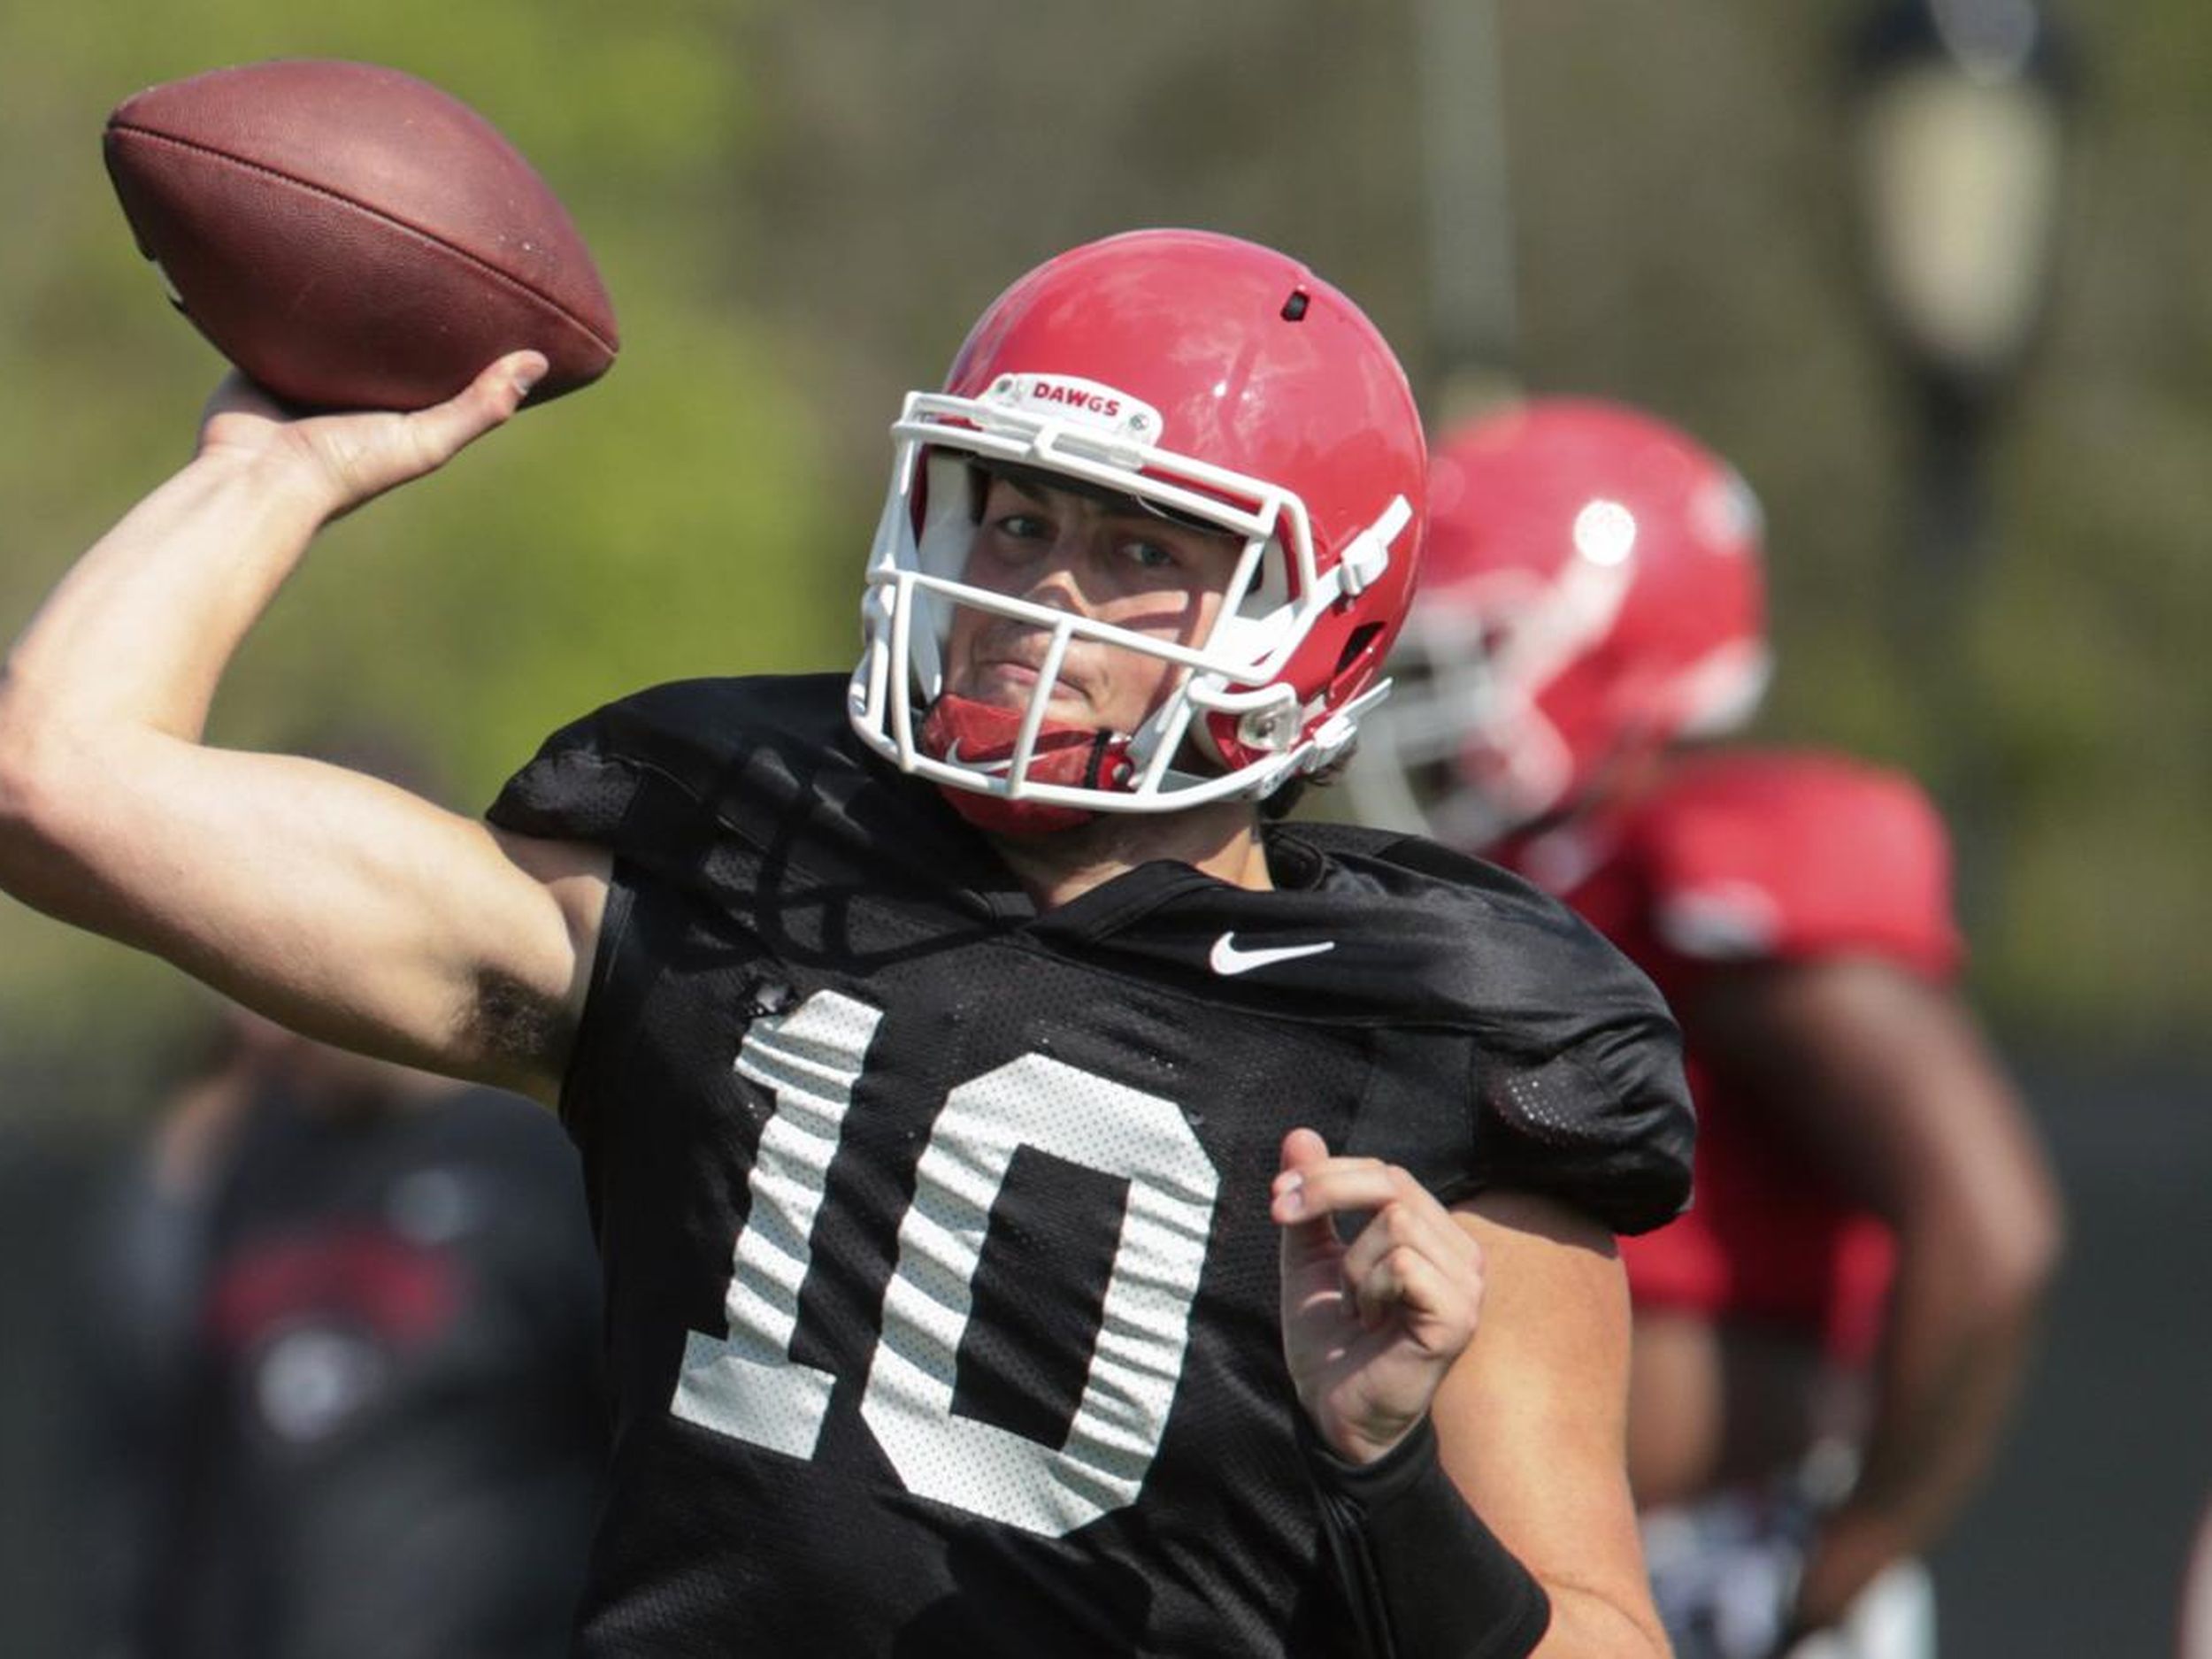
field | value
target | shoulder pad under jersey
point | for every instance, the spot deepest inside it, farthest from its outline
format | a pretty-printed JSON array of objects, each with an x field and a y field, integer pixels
[{"x": 1756, "y": 856}]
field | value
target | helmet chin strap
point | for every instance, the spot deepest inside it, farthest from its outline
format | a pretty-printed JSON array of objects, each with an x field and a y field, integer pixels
[{"x": 981, "y": 737}]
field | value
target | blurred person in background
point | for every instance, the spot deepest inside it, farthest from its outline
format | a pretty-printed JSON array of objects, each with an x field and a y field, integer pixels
[
  {"x": 970, "y": 1078},
  {"x": 343, "y": 1367},
  {"x": 1826, "y": 1343},
  {"x": 341, "y": 1342}
]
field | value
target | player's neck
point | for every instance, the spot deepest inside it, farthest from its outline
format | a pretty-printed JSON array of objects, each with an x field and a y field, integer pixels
[{"x": 1223, "y": 841}]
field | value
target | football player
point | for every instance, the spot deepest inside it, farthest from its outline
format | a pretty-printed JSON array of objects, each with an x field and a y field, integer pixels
[
  {"x": 1826, "y": 1342},
  {"x": 1048, "y": 1204}
]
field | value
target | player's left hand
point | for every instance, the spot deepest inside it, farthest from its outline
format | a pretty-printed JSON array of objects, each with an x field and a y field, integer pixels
[{"x": 1370, "y": 1327}]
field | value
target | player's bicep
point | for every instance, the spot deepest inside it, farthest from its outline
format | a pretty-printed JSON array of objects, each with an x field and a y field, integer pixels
[
  {"x": 1531, "y": 1420},
  {"x": 346, "y": 907}
]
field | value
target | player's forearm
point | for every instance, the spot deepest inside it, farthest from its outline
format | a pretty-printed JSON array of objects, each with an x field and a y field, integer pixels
[
  {"x": 1931, "y": 1446},
  {"x": 121, "y": 662},
  {"x": 1972, "y": 1268},
  {"x": 1953, "y": 1364},
  {"x": 139, "y": 632},
  {"x": 1587, "y": 1624}
]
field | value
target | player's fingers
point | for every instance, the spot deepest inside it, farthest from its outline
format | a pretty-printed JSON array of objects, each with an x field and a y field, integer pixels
[
  {"x": 1302, "y": 1148},
  {"x": 1305, "y": 1156},
  {"x": 1378, "y": 1291},
  {"x": 1310, "y": 1248},
  {"x": 1310, "y": 1243},
  {"x": 358, "y": 457},
  {"x": 1436, "y": 1309},
  {"x": 1303, "y": 1152},
  {"x": 1427, "y": 1229},
  {"x": 1435, "y": 1294},
  {"x": 443, "y": 430},
  {"x": 1335, "y": 1186}
]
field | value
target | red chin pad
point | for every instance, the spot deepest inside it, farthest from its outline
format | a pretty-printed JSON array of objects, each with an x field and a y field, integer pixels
[{"x": 983, "y": 735}]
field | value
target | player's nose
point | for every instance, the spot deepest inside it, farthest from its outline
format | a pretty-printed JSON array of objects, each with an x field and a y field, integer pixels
[{"x": 1056, "y": 579}]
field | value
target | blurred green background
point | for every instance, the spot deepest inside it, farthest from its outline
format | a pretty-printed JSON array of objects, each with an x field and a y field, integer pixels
[{"x": 799, "y": 206}]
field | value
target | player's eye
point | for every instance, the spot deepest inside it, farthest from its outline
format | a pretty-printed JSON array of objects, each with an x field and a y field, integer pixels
[
  {"x": 1151, "y": 556},
  {"x": 1021, "y": 527}
]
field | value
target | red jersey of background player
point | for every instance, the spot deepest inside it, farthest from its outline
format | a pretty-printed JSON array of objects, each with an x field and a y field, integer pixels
[
  {"x": 1826, "y": 1344},
  {"x": 1741, "y": 856}
]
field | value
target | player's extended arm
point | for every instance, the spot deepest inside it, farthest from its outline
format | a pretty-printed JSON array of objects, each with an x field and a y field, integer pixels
[
  {"x": 1505, "y": 1326},
  {"x": 340, "y": 905},
  {"x": 1890, "y": 1081}
]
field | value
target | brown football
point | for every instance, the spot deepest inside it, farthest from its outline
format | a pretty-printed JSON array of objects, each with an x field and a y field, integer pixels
[{"x": 351, "y": 236}]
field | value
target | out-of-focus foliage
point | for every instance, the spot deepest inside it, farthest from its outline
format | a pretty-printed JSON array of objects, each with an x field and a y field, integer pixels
[{"x": 799, "y": 206}]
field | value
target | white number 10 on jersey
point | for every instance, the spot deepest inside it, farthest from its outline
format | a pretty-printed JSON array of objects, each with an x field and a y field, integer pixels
[{"x": 748, "y": 1387}]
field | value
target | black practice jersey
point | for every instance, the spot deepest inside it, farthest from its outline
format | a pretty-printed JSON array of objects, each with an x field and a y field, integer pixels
[{"x": 942, "y": 1290}]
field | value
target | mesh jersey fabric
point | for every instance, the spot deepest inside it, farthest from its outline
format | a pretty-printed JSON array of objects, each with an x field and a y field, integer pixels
[{"x": 943, "y": 1291}]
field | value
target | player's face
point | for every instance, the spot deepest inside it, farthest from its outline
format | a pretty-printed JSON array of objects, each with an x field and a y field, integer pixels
[{"x": 1109, "y": 560}]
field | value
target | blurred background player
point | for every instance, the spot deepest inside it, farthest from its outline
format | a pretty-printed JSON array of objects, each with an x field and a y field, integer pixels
[
  {"x": 344, "y": 1392},
  {"x": 345, "y": 1398},
  {"x": 1827, "y": 1342}
]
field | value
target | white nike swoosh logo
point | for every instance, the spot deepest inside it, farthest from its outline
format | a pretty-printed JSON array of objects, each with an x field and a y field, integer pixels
[{"x": 1226, "y": 958}]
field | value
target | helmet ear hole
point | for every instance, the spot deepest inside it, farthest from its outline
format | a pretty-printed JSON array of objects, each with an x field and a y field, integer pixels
[{"x": 1362, "y": 650}]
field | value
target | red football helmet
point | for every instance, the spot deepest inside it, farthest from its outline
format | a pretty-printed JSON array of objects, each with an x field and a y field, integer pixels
[
  {"x": 1594, "y": 588},
  {"x": 1215, "y": 381}
]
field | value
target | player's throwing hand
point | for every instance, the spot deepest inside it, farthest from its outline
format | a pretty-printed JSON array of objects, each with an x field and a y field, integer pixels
[
  {"x": 341, "y": 460},
  {"x": 1370, "y": 1327}
]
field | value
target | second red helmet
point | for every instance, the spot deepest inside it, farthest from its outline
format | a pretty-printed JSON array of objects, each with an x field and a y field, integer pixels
[{"x": 1593, "y": 588}]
